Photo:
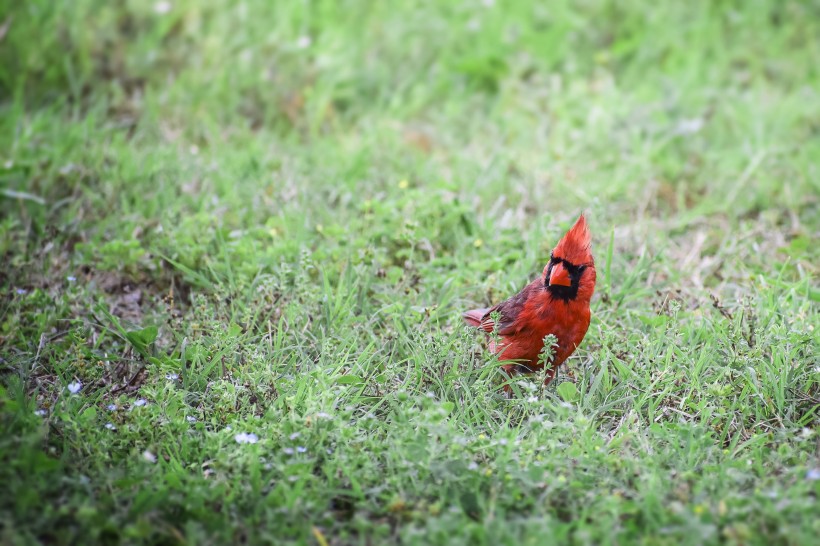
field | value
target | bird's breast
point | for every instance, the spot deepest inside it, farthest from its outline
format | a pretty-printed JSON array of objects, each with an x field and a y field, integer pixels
[{"x": 567, "y": 322}]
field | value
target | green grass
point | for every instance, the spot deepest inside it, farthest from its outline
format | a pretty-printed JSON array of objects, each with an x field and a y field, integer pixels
[{"x": 266, "y": 218}]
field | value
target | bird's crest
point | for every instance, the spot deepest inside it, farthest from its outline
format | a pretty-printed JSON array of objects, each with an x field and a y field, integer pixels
[{"x": 574, "y": 247}]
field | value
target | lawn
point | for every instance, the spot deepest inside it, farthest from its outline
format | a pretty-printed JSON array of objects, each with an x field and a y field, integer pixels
[{"x": 237, "y": 239}]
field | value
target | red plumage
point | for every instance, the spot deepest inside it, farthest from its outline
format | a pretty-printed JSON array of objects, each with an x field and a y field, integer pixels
[{"x": 555, "y": 303}]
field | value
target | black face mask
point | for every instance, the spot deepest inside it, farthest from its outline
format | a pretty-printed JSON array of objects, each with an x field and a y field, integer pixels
[{"x": 558, "y": 291}]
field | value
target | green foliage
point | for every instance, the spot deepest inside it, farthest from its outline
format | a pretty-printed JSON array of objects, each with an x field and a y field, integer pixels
[{"x": 237, "y": 239}]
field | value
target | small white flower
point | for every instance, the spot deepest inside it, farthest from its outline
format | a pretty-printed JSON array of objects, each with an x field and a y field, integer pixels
[
  {"x": 689, "y": 126},
  {"x": 503, "y": 441},
  {"x": 246, "y": 438},
  {"x": 110, "y": 426},
  {"x": 472, "y": 466},
  {"x": 112, "y": 407},
  {"x": 294, "y": 435},
  {"x": 323, "y": 415},
  {"x": 171, "y": 376},
  {"x": 303, "y": 42},
  {"x": 813, "y": 474},
  {"x": 40, "y": 412},
  {"x": 229, "y": 428},
  {"x": 74, "y": 387},
  {"x": 301, "y": 449},
  {"x": 148, "y": 456},
  {"x": 21, "y": 291},
  {"x": 139, "y": 403},
  {"x": 190, "y": 419},
  {"x": 8, "y": 164},
  {"x": 532, "y": 399},
  {"x": 288, "y": 451},
  {"x": 71, "y": 278},
  {"x": 162, "y": 7}
]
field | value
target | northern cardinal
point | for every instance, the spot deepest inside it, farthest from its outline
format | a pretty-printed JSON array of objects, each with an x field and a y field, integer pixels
[{"x": 555, "y": 303}]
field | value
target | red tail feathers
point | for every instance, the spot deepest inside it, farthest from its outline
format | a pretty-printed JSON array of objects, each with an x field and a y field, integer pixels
[{"x": 474, "y": 316}]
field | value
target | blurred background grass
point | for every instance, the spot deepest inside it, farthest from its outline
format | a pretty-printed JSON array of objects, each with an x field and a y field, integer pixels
[{"x": 668, "y": 111}]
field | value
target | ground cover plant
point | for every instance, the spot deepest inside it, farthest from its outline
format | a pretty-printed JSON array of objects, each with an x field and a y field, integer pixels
[{"x": 237, "y": 239}]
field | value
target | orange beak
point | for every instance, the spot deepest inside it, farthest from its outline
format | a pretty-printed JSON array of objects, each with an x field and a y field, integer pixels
[{"x": 560, "y": 275}]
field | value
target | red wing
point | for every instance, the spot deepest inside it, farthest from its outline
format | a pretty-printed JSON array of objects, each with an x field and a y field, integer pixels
[{"x": 508, "y": 311}]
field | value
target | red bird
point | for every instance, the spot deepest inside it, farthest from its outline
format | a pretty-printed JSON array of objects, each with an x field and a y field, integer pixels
[{"x": 555, "y": 303}]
